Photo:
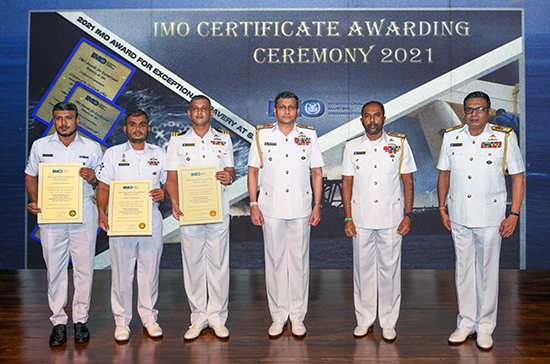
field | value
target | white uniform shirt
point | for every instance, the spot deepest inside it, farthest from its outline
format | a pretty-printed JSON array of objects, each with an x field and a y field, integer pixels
[
  {"x": 377, "y": 200},
  {"x": 285, "y": 188},
  {"x": 121, "y": 162},
  {"x": 50, "y": 149},
  {"x": 477, "y": 191},
  {"x": 189, "y": 149}
]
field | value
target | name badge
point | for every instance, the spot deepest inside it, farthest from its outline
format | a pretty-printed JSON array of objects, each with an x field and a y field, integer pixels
[
  {"x": 270, "y": 144},
  {"x": 456, "y": 144},
  {"x": 47, "y": 155},
  {"x": 124, "y": 164},
  {"x": 188, "y": 145},
  {"x": 360, "y": 153}
]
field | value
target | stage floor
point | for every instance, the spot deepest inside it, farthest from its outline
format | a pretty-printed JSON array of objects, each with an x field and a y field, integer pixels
[{"x": 428, "y": 316}]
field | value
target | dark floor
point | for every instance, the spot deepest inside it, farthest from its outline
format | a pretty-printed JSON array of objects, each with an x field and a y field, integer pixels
[{"x": 428, "y": 316}]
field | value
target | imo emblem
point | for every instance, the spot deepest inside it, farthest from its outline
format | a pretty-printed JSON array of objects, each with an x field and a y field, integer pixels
[{"x": 313, "y": 108}]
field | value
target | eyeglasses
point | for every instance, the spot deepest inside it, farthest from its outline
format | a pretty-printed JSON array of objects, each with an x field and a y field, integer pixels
[{"x": 479, "y": 110}]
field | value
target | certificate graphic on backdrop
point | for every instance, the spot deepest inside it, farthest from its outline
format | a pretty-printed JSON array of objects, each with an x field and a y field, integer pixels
[
  {"x": 130, "y": 208},
  {"x": 91, "y": 66},
  {"x": 97, "y": 114},
  {"x": 200, "y": 195},
  {"x": 59, "y": 193}
]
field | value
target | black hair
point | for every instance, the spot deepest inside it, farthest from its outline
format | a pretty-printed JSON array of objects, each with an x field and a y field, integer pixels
[
  {"x": 200, "y": 97},
  {"x": 286, "y": 95},
  {"x": 477, "y": 94},
  {"x": 376, "y": 103},
  {"x": 66, "y": 106},
  {"x": 135, "y": 113}
]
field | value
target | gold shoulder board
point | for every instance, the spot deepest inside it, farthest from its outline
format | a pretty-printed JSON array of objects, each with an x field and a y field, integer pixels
[
  {"x": 454, "y": 128},
  {"x": 264, "y": 126},
  {"x": 355, "y": 137},
  {"x": 504, "y": 129},
  {"x": 176, "y": 133},
  {"x": 305, "y": 126},
  {"x": 222, "y": 131},
  {"x": 397, "y": 135}
]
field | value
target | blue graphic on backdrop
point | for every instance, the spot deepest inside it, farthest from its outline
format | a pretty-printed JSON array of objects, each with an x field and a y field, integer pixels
[{"x": 308, "y": 108}]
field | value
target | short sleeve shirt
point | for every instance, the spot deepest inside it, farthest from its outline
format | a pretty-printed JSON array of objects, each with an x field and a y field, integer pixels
[
  {"x": 285, "y": 187},
  {"x": 477, "y": 189},
  {"x": 122, "y": 162},
  {"x": 377, "y": 200},
  {"x": 189, "y": 149},
  {"x": 50, "y": 149}
]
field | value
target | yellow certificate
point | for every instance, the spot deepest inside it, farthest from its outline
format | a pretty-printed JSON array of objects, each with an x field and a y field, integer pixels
[
  {"x": 200, "y": 195},
  {"x": 59, "y": 193},
  {"x": 130, "y": 208}
]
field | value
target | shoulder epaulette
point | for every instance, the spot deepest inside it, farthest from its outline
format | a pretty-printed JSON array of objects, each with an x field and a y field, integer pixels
[
  {"x": 264, "y": 126},
  {"x": 222, "y": 131},
  {"x": 305, "y": 126},
  {"x": 355, "y": 137},
  {"x": 176, "y": 133},
  {"x": 454, "y": 127},
  {"x": 397, "y": 135},
  {"x": 504, "y": 129}
]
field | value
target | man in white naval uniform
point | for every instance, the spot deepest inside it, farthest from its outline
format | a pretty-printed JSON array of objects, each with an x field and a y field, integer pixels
[
  {"x": 134, "y": 160},
  {"x": 287, "y": 152},
  {"x": 67, "y": 146},
  {"x": 378, "y": 213},
  {"x": 472, "y": 164},
  {"x": 204, "y": 247}
]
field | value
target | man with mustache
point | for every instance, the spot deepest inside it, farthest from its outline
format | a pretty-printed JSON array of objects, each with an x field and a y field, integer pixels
[
  {"x": 471, "y": 190},
  {"x": 378, "y": 213},
  {"x": 134, "y": 160},
  {"x": 67, "y": 146},
  {"x": 289, "y": 154},
  {"x": 204, "y": 247}
]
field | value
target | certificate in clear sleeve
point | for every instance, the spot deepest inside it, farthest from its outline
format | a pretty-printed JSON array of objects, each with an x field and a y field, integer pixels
[
  {"x": 59, "y": 193},
  {"x": 200, "y": 195},
  {"x": 130, "y": 208}
]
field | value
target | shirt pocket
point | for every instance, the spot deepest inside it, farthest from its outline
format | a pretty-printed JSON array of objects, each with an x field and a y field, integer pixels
[
  {"x": 303, "y": 153},
  {"x": 219, "y": 153},
  {"x": 388, "y": 164},
  {"x": 492, "y": 156},
  {"x": 272, "y": 155},
  {"x": 495, "y": 199},
  {"x": 360, "y": 163},
  {"x": 187, "y": 157}
]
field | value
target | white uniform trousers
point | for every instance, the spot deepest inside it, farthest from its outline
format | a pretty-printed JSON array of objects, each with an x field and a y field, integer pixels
[
  {"x": 477, "y": 271},
  {"x": 78, "y": 239},
  {"x": 286, "y": 245},
  {"x": 205, "y": 260},
  {"x": 377, "y": 276},
  {"x": 142, "y": 254}
]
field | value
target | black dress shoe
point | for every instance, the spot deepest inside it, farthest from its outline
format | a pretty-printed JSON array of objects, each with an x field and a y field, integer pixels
[
  {"x": 81, "y": 333},
  {"x": 58, "y": 335}
]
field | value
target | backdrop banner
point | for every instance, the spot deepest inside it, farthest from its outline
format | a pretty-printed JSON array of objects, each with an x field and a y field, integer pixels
[{"x": 419, "y": 62}]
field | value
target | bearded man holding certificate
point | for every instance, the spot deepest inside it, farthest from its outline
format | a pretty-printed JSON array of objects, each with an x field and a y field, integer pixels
[
  {"x": 204, "y": 246},
  {"x": 58, "y": 239},
  {"x": 132, "y": 162}
]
